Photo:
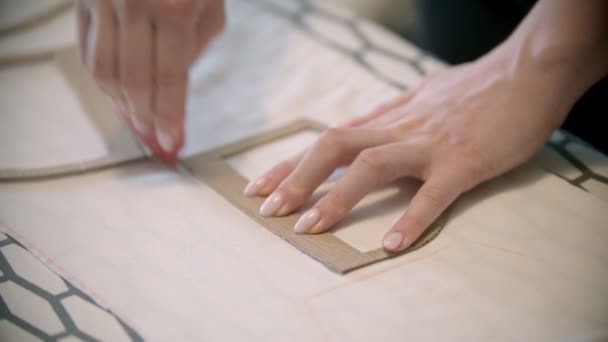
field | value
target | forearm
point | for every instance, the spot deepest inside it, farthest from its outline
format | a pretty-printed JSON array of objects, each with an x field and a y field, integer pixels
[{"x": 562, "y": 45}]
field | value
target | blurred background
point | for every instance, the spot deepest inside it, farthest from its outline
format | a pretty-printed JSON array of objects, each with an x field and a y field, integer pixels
[
  {"x": 398, "y": 15},
  {"x": 458, "y": 31},
  {"x": 454, "y": 31}
]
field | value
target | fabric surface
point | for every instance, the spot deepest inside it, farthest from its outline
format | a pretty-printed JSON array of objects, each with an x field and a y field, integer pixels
[
  {"x": 36, "y": 303},
  {"x": 523, "y": 257}
]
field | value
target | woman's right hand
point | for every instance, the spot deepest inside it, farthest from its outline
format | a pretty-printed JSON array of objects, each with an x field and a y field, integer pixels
[{"x": 140, "y": 52}]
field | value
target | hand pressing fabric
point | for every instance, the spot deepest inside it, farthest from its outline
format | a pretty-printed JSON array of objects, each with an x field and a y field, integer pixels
[
  {"x": 140, "y": 52},
  {"x": 457, "y": 129}
]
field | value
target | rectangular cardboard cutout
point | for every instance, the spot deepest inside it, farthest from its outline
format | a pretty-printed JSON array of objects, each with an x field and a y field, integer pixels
[
  {"x": 367, "y": 223},
  {"x": 214, "y": 168}
]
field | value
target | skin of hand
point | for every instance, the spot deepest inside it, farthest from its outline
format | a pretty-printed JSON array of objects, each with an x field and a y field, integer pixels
[
  {"x": 457, "y": 129},
  {"x": 140, "y": 52}
]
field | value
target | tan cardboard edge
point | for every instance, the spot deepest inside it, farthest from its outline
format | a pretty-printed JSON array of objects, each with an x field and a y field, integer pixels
[
  {"x": 8, "y": 61},
  {"x": 101, "y": 112},
  {"x": 213, "y": 169}
]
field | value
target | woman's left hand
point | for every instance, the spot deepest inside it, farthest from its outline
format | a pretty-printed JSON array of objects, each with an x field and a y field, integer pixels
[{"x": 456, "y": 130}]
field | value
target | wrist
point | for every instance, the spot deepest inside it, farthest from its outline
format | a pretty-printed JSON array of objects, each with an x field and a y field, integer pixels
[{"x": 559, "y": 74}]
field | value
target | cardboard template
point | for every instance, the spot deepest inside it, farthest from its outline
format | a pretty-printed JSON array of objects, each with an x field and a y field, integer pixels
[{"x": 213, "y": 168}]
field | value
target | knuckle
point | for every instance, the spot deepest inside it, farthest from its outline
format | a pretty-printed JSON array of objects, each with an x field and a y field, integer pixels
[
  {"x": 371, "y": 159},
  {"x": 475, "y": 166},
  {"x": 335, "y": 202},
  {"x": 393, "y": 132},
  {"x": 296, "y": 186},
  {"x": 397, "y": 131},
  {"x": 434, "y": 196},
  {"x": 332, "y": 139}
]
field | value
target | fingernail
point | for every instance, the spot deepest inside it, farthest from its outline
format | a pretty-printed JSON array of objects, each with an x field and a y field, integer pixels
[
  {"x": 271, "y": 205},
  {"x": 393, "y": 241},
  {"x": 306, "y": 221},
  {"x": 254, "y": 187},
  {"x": 165, "y": 140},
  {"x": 139, "y": 125}
]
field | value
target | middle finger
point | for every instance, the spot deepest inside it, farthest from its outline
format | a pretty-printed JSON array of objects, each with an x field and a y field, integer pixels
[{"x": 336, "y": 147}]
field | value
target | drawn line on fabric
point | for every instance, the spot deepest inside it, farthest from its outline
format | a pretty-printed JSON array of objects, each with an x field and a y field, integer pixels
[
  {"x": 318, "y": 322},
  {"x": 499, "y": 248},
  {"x": 376, "y": 273}
]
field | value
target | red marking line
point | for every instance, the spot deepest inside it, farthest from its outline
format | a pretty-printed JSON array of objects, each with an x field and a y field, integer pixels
[{"x": 375, "y": 274}]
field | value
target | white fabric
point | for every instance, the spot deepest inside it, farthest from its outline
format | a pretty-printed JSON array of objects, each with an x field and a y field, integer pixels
[
  {"x": 176, "y": 261},
  {"x": 42, "y": 120},
  {"x": 56, "y": 32},
  {"x": 522, "y": 258}
]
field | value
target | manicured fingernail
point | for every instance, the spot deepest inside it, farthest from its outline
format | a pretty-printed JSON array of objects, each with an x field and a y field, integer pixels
[
  {"x": 139, "y": 125},
  {"x": 306, "y": 221},
  {"x": 393, "y": 241},
  {"x": 165, "y": 140},
  {"x": 271, "y": 205},
  {"x": 254, "y": 187}
]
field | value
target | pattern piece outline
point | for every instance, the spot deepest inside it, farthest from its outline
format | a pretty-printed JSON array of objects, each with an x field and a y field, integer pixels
[
  {"x": 213, "y": 168},
  {"x": 96, "y": 107}
]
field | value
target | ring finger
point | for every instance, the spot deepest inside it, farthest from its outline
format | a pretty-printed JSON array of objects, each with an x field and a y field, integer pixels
[{"x": 335, "y": 148}]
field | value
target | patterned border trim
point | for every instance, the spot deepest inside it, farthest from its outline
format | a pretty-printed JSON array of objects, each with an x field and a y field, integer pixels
[
  {"x": 352, "y": 23},
  {"x": 561, "y": 147},
  {"x": 55, "y": 301}
]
